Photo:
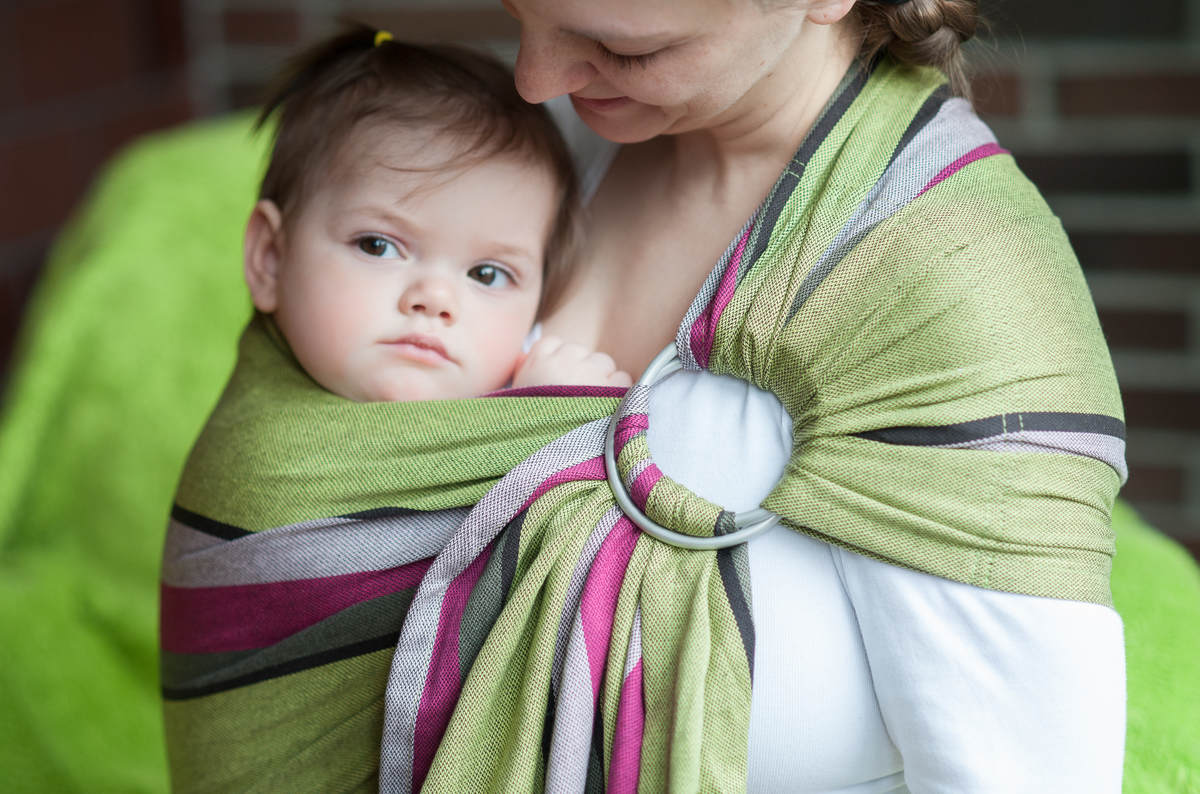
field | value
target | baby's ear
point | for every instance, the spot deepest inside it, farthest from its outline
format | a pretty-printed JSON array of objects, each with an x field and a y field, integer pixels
[{"x": 263, "y": 253}]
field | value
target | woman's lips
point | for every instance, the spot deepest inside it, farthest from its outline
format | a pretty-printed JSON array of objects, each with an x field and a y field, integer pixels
[
  {"x": 420, "y": 348},
  {"x": 600, "y": 105}
]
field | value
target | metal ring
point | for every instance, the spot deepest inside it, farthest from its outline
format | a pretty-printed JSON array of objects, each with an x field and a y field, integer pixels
[{"x": 749, "y": 522}]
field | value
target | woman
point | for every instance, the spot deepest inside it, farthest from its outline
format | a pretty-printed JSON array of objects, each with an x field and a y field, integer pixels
[
  {"x": 446, "y": 596},
  {"x": 868, "y": 676}
]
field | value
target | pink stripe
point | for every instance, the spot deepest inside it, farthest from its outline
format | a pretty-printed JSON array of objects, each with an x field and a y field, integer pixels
[
  {"x": 599, "y": 601},
  {"x": 645, "y": 483},
  {"x": 627, "y": 739},
  {"x": 560, "y": 391},
  {"x": 592, "y": 469},
  {"x": 249, "y": 616},
  {"x": 442, "y": 683},
  {"x": 704, "y": 329},
  {"x": 628, "y": 427},
  {"x": 987, "y": 150}
]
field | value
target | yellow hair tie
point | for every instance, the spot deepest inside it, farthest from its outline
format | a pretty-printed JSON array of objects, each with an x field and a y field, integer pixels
[{"x": 382, "y": 36}]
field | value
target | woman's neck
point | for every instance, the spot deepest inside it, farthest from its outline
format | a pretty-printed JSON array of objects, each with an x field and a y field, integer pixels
[{"x": 766, "y": 126}]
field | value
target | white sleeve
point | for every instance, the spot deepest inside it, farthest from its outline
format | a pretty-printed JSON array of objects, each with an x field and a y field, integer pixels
[{"x": 983, "y": 691}]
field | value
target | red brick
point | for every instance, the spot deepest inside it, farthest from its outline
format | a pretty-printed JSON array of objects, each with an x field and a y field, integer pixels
[
  {"x": 66, "y": 48},
  {"x": 1167, "y": 252},
  {"x": 19, "y": 273},
  {"x": 1153, "y": 483},
  {"x": 243, "y": 95},
  {"x": 1161, "y": 19},
  {"x": 10, "y": 87},
  {"x": 468, "y": 24},
  {"x": 261, "y": 27},
  {"x": 1162, "y": 409},
  {"x": 997, "y": 94},
  {"x": 1148, "y": 94},
  {"x": 43, "y": 176},
  {"x": 1145, "y": 329},
  {"x": 153, "y": 105},
  {"x": 1167, "y": 172},
  {"x": 164, "y": 22}
]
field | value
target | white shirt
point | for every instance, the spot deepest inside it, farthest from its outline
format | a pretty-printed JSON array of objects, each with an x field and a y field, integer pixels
[{"x": 869, "y": 676}]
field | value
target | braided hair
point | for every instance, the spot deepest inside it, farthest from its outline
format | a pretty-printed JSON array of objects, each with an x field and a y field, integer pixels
[{"x": 920, "y": 33}]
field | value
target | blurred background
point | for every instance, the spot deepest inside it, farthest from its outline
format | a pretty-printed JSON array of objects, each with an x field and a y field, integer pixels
[{"x": 1100, "y": 103}]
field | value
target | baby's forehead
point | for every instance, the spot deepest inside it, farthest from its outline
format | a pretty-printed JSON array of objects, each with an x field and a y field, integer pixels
[{"x": 412, "y": 158}]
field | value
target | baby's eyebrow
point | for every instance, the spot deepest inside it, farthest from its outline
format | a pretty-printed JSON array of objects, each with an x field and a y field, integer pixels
[
  {"x": 515, "y": 255},
  {"x": 384, "y": 214}
]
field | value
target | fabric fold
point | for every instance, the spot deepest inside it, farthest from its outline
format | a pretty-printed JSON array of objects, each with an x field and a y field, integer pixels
[{"x": 443, "y": 596}]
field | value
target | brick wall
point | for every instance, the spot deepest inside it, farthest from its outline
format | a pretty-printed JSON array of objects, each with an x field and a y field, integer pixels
[
  {"x": 78, "y": 78},
  {"x": 1100, "y": 103}
]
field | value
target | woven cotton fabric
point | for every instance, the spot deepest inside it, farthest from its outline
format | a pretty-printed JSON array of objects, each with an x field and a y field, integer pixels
[{"x": 444, "y": 596}]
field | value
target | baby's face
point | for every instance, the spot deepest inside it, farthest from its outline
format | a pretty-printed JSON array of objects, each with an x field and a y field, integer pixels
[{"x": 413, "y": 285}]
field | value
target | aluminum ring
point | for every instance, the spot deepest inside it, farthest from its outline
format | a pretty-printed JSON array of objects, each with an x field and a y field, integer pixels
[{"x": 749, "y": 522}]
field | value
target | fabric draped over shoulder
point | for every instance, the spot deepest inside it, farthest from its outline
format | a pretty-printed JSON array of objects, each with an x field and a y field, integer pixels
[{"x": 444, "y": 596}]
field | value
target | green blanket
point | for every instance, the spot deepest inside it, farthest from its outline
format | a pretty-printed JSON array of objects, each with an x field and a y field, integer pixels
[{"x": 128, "y": 343}]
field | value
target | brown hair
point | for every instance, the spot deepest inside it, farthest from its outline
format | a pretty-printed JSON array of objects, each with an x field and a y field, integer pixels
[
  {"x": 921, "y": 33},
  {"x": 327, "y": 91}
]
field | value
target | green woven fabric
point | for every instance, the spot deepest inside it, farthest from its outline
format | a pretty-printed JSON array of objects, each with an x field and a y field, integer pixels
[
  {"x": 916, "y": 308},
  {"x": 125, "y": 349}
]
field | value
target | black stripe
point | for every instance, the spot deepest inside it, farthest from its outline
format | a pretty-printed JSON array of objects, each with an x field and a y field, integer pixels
[
  {"x": 512, "y": 545},
  {"x": 815, "y": 277},
  {"x": 595, "y": 770},
  {"x": 355, "y": 623},
  {"x": 787, "y": 181},
  {"x": 979, "y": 429},
  {"x": 386, "y": 512},
  {"x": 286, "y": 668},
  {"x": 924, "y": 115},
  {"x": 207, "y": 525},
  {"x": 734, "y": 593},
  {"x": 548, "y": 725}
]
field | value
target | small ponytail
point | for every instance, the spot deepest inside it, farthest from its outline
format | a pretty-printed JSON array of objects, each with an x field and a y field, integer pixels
[{"x": 921, "y": 33}]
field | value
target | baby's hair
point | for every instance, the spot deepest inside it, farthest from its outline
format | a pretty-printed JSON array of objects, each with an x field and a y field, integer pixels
[{"x": 363, "y": 77}]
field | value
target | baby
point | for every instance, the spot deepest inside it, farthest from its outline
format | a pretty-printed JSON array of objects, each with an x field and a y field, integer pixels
[{"x": 414, "y": 221}]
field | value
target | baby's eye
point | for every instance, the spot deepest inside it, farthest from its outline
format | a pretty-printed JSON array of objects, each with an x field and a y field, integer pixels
[
  {"x": 490, "y": 275},
  {"x": 374, "y": 245}
]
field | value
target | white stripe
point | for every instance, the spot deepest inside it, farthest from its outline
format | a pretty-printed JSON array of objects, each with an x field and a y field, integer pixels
[{"x": 323, "y": 547}]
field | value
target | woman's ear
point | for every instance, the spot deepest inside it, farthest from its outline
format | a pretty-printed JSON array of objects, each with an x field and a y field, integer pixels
[
  {"x": 262, "y": 254},
  {"x": 829, "y": 12}
]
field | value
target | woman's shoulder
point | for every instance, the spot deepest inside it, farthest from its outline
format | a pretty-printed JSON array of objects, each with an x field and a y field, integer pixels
[{"x": 987, "y": 197}]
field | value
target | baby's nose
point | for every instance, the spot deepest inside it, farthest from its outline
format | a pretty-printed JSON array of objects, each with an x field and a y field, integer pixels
[{"x": 431, "y": 296}]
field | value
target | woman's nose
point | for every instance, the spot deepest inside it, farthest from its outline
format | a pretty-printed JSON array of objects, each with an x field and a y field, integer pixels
[
  {"x": 551, "y": 63},
  {"x": 432, "y": 296}
]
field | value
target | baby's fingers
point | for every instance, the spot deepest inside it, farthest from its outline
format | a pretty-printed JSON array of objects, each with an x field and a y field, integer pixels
[
  {"x": 619, "y": 378},
  {"x": 601, "y": 362},
  {"x": 546, "y": 346}
]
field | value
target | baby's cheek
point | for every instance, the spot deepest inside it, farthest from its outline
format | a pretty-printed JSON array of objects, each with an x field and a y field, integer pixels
[{"x": 498, "y": 358}]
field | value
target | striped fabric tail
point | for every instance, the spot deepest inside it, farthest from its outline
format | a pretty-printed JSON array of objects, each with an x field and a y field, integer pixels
[{"x": 246, "y": 617}]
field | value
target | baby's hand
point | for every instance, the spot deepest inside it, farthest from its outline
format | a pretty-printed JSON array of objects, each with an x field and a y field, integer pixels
[{"x": 553, "y": 362}]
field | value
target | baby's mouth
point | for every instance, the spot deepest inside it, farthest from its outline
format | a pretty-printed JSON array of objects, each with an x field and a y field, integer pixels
[{"x": 421, "y": 348}]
